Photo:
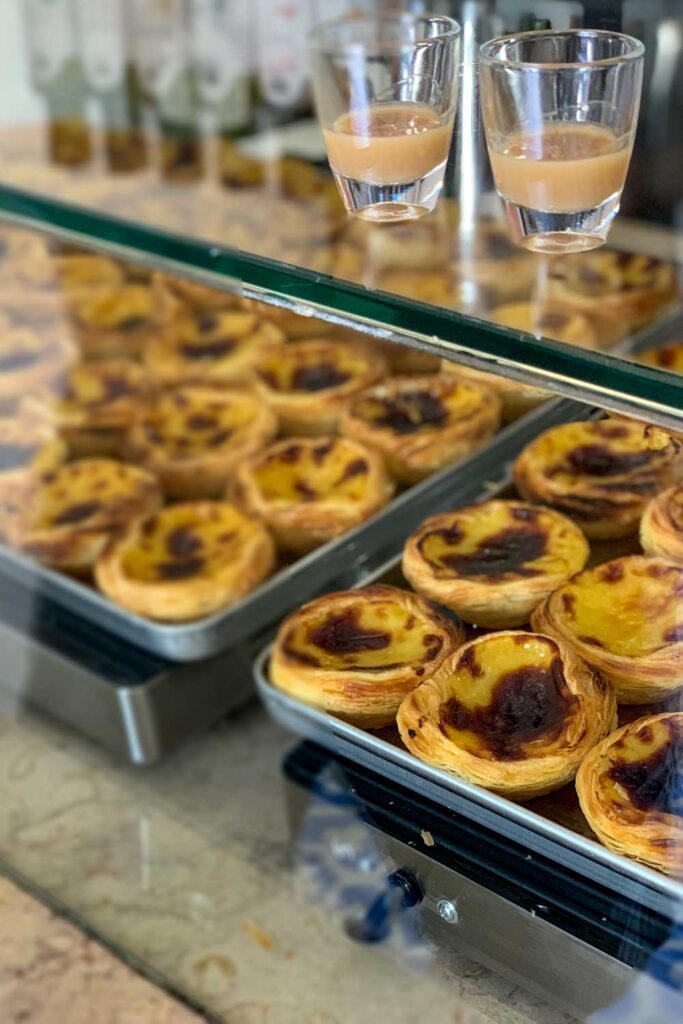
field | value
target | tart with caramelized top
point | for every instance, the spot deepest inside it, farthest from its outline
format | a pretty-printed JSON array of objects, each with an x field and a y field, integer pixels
[
  {"x": 599, "y": 473},
  {"x": 495, "y": 562},
  {"x": 631, "y": 792},
  {"x": 487, "y": 259},
  {"x": 114, "y": 322},
  {"x": 310, "y": 490},
  {"x": 192, "y": 438},
  {"x": 29, "y": 447},
  {"x": 621, "y": 290},
  {"x": 307, "y": 383},
  {"x": 218, "y": 347},
  {"x": 421, "y": 424},
  {"x": 357, "y": 653},
  {"x": 74, "y": 510},
  {"x": 513, "y": 712},
  {"x": 625, "y": 618},
  {"x": 186, "y": 562},
  {"x": 96, "y": 405}
]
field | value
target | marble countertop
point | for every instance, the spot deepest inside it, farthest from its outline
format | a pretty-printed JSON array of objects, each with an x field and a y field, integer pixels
[
  {"x": 50, "y": 971},
  {"x": 190, "y": 868}
]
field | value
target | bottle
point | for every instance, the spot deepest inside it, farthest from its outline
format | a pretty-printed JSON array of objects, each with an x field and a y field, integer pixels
[
  {"x": 282, "y": 66},
  {"x": 57, "y": 75},
  {"x": 163, "y": 68},
  {"x": 108, "y": 73},
  {"x": 222, "y": 53}
]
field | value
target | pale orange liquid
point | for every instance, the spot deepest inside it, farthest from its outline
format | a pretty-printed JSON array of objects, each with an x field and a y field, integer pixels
[
  {"x": 388, "y": 144},
  {"x": 564, "y": 168}
]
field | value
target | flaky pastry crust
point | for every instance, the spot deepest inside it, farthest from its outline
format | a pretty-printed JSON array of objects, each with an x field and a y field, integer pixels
[
  {"x": 186, "y": 562},
  {"x": 495, "y": 562},
  {"x": 513, "y": 712},
  {"x": 629, "y": 790},
  {"x": 357, "y": 653},
  {"x": 623, "y": 617},
  {"x": 192, "y": 438},
  {"x": 661, "y": 528},
  {"x": 310, "y": 490},
  {"x": 421, "y": 424},
  {"x": 599, "y": 473}
]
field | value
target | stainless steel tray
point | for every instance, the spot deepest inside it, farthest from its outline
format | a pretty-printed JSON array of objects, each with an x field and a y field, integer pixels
[
  {"x": 340, "y": 563},
  {"x": 540, "y": 833}
]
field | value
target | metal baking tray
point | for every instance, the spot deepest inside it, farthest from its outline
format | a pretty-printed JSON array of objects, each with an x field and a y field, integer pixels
[
  {"x": 338, "y": 564},
  {"x": 533, "y": 824}
]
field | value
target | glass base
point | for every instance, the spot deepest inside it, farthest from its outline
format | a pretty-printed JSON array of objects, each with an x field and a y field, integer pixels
[
  {"x": 391, "y": 203},
  {"x": 559, "y": 233}
]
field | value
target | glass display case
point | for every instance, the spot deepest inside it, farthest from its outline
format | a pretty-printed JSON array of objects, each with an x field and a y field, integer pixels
[{"x": 339, "y": 562}]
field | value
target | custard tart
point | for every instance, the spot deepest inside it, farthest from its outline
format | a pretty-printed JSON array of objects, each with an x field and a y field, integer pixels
[
  {"x": 513, "y": 712},
  {"x": 516, "y": 399},
  {"x": 489, "y": 260},
  {"x": 668, "y": 357},
  {"x": 75, "y": 509},
  {"x": 546, "y": 321},
  {"x": 218, "y": 348},
  {"x": 30, "y": 362},
  {"x": 29, "y": 447},
  {"x": 624, "y": 617},
  {"x": 357, "y": 653},
  {"x": 96, "y": 404},
  {"x": 620, "y": 290},
  {"x": 599, "y": 473},
  {"x": 494, "y": 563},
  {"x": 192, "y": 438},
  {"x": 185, "y": 562},
  {"x": 309, "y": 490},
  {"x": 294, "y": 325},
  {"x": 114, "y": 322},
  {"x": 421, "y": 424},
  {"x": 630, "y": 788},
  {"x": 81, "y": 271},
  {"x": 199, "y": 297},
  {"x": 661, "y": 528},
  {"x": 307, "y": 383}
]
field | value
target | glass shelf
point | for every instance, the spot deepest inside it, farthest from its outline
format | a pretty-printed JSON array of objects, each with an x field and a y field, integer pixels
[{"x": 142, "y": 154}]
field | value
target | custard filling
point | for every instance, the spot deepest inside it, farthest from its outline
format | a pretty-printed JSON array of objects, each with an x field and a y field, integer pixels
[
  {"x": 313, "y": 472},
  {"x": 501, "y": 541},
  {"x": 312, "y": 368},
  {"x": 508, "y": 698},
  {"x": 177, "y": 543},
  {"x": 82, "y": 491},
  {"x": 628, "y": 607},
  {"x": 600, "y": 451},
  {"x": 643, "y": 771},
  {"x": 125, "y": 308},
  {"x": 366, "y": 635},
  {"x": 184, "y": 424}
]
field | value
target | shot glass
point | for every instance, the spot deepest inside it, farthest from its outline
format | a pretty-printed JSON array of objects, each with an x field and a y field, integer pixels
[
  {"x": 385, "y": 89},
  {"x": 560, "y": 112}
]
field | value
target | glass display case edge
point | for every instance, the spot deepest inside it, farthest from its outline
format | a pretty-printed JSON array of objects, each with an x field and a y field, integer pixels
[{"x": 583, "y": 375}]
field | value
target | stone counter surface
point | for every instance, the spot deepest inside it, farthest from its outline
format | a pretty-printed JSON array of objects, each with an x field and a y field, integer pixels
[
  {"x": 190, "y": 867},
  {"x": 51, "y": 972}
]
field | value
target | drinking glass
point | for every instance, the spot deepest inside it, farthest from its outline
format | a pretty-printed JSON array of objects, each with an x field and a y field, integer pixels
[
  {"x": 560, "y": 112},
  {"x": 385, "y": 88}
]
